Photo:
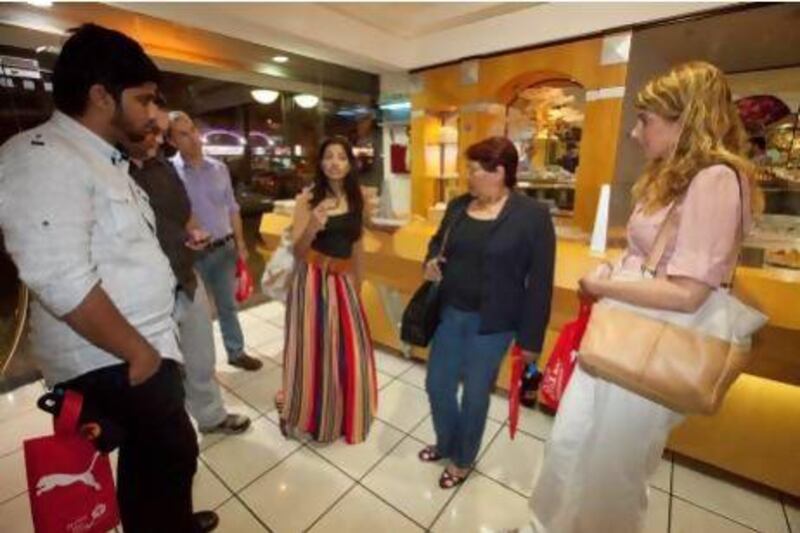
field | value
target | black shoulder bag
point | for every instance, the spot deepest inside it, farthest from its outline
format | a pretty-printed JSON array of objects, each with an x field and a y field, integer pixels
[{"x": 421, "y": 316}]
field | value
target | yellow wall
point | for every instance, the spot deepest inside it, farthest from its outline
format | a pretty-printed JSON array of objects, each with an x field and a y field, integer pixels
[{"x": 481, "y": 108}]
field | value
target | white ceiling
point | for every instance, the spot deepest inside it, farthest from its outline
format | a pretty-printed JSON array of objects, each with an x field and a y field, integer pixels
[
  {"x": 392, "y": 37},
  {"x": 414, "y": 19}
]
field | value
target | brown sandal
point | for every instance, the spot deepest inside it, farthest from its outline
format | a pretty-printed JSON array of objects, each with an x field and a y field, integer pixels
[
  {"x": 279, "y": 401},
  {"x": 429, "y": 454},
  {"x": 448, "y": 480}
]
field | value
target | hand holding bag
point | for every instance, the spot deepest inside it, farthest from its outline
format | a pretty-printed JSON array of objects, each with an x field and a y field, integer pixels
[
  {"x": 563, "y": 359},
  {"x": 278, "y": 272},
  {"x": 70, "y": 485},
  {"x": 684, "y": 361},
  {"x": 244, "y": 281},
  {"x": 517, "y": 368}
]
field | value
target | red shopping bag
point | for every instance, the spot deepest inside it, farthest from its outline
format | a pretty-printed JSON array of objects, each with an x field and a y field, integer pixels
[
  {"x": 70, "y": 485},
  {"x": 562, "y": 360},
  {"x": 517, "y": 367},
  {"x": 244, "y": 281}
]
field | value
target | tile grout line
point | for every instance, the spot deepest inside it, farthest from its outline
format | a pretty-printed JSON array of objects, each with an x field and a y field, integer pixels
[
  {"x": 671, "y": 487},
  {"x": 267, "y": 471},
  {"x": 252, "y": 513},
  {"x": 391, "y": 506},
  {"x": 332, "y": 506},
  {"x": 7, "y": 500},
  {"x": 237, "y": 494},
  {"x": 234, "y": 497},
  {"x": 233, "y": 494},
  {"x": 786, "y": 514},
  {"x": 728, "y": 518},
  {"x": 360, "y": 480}
]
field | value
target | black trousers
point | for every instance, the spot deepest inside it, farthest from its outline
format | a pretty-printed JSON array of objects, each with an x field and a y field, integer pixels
[{"x": 158, "y": 449}]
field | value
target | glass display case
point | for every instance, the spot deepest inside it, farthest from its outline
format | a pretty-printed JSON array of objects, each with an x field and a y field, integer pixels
[
  {"x": 545, "y": 122},
  {"x": 768, "y": 103},
  {"x": 441, "y": 155}
]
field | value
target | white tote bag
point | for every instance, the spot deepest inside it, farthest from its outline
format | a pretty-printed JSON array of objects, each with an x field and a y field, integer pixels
[{"x": 279, "y": 269}]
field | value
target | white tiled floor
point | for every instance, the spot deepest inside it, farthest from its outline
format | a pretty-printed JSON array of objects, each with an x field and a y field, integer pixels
[{"x": 260, "y": 482}]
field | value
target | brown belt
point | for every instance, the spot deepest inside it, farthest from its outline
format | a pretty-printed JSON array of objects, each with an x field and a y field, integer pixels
[{"x": 336, "y": 265}]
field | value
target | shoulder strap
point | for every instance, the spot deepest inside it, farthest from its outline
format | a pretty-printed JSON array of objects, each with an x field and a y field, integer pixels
[
  {"x": 665, "y": 233},
  {"x": 457, "y": 216},
  {"x": 670, "y": 225}
]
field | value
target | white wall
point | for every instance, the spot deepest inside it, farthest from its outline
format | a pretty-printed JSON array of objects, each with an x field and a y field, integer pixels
[{"x": 396, "y": 195}]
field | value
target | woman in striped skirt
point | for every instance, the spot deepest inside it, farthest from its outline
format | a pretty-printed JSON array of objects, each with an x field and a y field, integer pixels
[{"x": 329, "y": 379}]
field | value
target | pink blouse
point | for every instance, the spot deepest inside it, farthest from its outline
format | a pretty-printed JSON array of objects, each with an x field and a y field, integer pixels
[{"x": 707, "y": 242}]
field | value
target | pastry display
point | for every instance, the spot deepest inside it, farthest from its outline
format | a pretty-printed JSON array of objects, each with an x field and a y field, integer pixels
[{"x": 784, "y": 258}]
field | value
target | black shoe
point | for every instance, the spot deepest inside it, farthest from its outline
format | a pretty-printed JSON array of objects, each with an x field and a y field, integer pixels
[
  {"x": 247, "y": 362},
  {"x": 206, "y": 521},
  {"x": 232, "y": 424}
]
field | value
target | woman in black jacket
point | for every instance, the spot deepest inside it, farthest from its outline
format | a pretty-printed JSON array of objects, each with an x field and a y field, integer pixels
[{"x": 496, "y": 281}]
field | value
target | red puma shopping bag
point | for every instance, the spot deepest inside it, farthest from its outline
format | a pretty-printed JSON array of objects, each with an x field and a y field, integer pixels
[{"x": 69, "y": 482}]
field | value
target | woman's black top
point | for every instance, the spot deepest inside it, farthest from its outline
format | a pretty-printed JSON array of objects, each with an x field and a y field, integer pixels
[
  {"x": 339, "y": 235},
  {"x": 462, "y": 285},
  {"x": 517, "y": 266}
]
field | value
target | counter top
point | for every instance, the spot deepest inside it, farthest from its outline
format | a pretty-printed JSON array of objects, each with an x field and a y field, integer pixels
[{"x": 395, "y": 259}]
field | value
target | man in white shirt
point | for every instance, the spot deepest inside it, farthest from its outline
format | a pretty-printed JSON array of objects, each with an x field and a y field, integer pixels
[{"x": 82, "y": 235}]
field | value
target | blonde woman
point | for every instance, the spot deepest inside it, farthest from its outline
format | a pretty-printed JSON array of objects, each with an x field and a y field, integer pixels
[{"x": 607, "y": 441}]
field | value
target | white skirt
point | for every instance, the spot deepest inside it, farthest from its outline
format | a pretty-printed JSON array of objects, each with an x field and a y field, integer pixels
[{"x": 605, "y": 444}]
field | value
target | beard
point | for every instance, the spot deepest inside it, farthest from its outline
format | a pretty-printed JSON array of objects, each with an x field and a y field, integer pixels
[{"x": 127, "y": 131}]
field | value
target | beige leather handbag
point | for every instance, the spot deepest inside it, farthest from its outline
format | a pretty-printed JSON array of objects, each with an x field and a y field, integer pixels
[{"x": 684, "y": 361}]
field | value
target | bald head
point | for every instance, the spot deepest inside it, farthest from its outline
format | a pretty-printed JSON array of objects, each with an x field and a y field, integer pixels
[{"x": 183, "y": 135}]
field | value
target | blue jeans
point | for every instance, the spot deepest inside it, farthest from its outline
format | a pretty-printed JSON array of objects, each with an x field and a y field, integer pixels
[
  {"x": 218, "y": 270},
  {"x": 459, "y": 353}
]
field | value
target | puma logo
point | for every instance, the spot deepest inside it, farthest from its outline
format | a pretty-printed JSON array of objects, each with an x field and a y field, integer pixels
[{"x": 49, "y": 482}]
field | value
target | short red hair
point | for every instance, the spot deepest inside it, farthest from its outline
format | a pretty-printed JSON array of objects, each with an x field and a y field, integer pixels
[{"x": 496, "y": 152}]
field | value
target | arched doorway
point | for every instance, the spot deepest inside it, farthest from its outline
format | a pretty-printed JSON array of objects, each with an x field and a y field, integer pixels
[{"x": 545, "y": 122}]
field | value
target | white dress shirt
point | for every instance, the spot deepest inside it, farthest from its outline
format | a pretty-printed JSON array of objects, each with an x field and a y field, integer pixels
[{"x": 72, "y": 217}]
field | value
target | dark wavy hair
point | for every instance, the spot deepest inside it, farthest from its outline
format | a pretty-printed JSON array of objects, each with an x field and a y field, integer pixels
[{"x": 352, "y": 189}]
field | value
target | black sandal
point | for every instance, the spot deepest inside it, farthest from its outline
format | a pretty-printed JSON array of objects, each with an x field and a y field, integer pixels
[
  {"x": 429, "y": 454},
  {"x": 448, "y": 480}
]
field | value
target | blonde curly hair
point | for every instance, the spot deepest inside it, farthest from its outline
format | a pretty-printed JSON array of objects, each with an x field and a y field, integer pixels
[{"x": 697, "y": 95}]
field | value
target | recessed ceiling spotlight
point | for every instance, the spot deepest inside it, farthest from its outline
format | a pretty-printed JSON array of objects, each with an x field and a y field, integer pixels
[{"x": 280, "y": 59}]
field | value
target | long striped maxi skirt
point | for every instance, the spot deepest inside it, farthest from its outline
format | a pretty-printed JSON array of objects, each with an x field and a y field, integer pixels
[{"x": 329, "y": 378}]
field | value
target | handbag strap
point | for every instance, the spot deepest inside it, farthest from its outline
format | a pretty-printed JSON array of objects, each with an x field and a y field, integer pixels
[
  {"x": 456, "y": 219},
  {"x": 669, "y": 228},
  {"x": 66, "y": 422},
  {"x": 666, "y": 231}
]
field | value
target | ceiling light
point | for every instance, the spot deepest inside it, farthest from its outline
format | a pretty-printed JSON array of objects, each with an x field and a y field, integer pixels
[
  {"x": 264, "y": 96},
  {"x": 306, "y": 101},
  {"x": 280, "y": 59},
  {"x": 41, "y": 3}
]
